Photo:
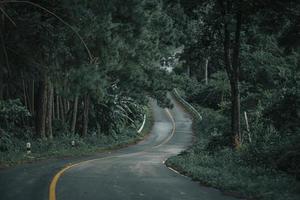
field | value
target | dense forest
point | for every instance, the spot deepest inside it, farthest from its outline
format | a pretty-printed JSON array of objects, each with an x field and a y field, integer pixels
[
  {"x": 79, "y": 67},
  {"x": 243, "y": 76},
  {"x": 84, "y": 70}
]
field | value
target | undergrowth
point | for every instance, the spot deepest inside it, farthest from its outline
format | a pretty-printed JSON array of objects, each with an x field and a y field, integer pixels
[
  {"x": 13, "y": 149},
  {"x": 249, "y": 172}
]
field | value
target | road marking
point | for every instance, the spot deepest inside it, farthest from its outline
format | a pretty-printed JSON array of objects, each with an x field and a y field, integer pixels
[
  {"x": 173, "y": 130},
  {"x": 52, "y": 194},
  {"x": 177, "y": 172},
  {"x": 52, "y": 188},
  {"x": 174, "y": 170}
]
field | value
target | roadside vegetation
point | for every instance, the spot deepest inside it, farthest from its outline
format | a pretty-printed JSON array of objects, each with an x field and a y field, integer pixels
[
  {"x": 255, "y": 171},
  {"x": 78, "y": 70},
  {"x": 248, "y": 141},
  {"x": 84, "y": 71},
  {"x": 14, "y": 149}
]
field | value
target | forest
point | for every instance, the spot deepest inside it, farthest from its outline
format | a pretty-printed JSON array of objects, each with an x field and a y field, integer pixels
[
  {"x": 78, "y": 69},
  {"x": 84, "y": 71}
]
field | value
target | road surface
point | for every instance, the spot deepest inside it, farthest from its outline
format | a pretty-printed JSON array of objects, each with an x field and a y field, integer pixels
[{"x": 132, "y": 173}]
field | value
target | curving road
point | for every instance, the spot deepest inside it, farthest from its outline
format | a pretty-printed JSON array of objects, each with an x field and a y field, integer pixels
[{"x": 136, "y": 172}]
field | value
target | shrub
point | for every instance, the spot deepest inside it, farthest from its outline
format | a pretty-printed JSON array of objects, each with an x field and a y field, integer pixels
[
  {"x": 283, "y": 112},
  {"x": 12, "y": 114}
]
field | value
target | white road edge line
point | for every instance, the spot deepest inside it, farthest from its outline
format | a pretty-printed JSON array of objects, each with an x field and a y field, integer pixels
[{"x": 177, "y": 172}]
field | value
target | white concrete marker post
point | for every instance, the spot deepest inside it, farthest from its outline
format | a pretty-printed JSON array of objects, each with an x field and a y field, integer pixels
[
  {"x": 247, "y": 126},
  {"x": 73, "y": 143},
  {"x": 28, "y": 147}
]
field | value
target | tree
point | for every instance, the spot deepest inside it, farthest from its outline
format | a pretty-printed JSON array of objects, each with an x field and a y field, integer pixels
[{"x": 232, "y": 60}]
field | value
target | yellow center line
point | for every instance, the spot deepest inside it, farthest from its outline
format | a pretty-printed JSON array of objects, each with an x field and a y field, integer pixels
[
  {"x": 173, "y": 130},
  {"x": 52, "y": 194},
  {"x": 53, "y": 184}
]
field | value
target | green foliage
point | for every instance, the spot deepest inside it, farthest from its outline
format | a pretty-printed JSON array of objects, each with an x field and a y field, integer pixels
[
  {"x": 283, "y": 110},
  {"x": 12, "y": 114},
  {"x": 251, "y": 172},
  {"x": 84, "y": 49},
  {"x": 13, "y": 149},
  {"x": 267, "y": 163},
  {"x": 226, "y": 171},
  {"x": 212, "y": 95}
]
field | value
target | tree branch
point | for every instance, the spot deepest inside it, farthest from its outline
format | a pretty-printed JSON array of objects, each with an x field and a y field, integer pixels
[
  {"x": 7, "y": 16},
  {"x": 92, "y": 59}
]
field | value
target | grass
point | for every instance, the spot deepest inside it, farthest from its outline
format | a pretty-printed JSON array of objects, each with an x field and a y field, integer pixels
[
  {"x": 226, "y": 170},
  {"x": 60, "y": 147}
]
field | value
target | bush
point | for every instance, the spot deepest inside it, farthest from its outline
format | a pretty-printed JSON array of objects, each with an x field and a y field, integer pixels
[
  {"x": 271, "y": 149},
  {"x": 250, "y": 172},
  {"x": 283, "y": 112},
  {"x": 5, "y": 141},
  {"x": 12, "y": 114},
  {"x": 211, "y": 95},
  {"x": 215, "y": 128}
]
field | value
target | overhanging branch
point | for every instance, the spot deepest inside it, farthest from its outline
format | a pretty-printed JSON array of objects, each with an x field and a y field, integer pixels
[{"x": 92, "y": 59}]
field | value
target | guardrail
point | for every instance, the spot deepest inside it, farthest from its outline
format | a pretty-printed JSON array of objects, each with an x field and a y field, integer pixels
[
  {"x": 187, "y": 105},
  {"x": 143, "y": 124}
]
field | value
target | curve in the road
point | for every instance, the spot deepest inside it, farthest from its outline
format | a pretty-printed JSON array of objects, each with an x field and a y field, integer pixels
[
  {"x": 138, "y": 172},
  {"x": 53, "y": 184}
]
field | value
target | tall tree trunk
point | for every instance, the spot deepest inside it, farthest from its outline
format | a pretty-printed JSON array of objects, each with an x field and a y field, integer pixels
[
  {"x": 53, "y": 105},
  {"x": 57, "y": 107},
  {"x": 2, "y": 70},
  {"x": 1, "y": 86},
  {"x": 65, "y": 102},
  {"x": 235, "y": 114},
  {"x": 206, "y": 71},
  {"x": 74, "y": 116},
  {"x": 32, "y": 97},
  {"x": 24, "y": 93},
  {"x": 3, "y": 46},
  {"x": 41, "y": 109},
  {"x": 188, "y": 71},
  {"x": 86, "y": 115},
  {"x": 232, "y": 65},
  {"x": 68, "y": 105},
  {"x": 49, "y": 111},
  {"x": 236, "y": 107},
  {"x": 62, "y": 110}
]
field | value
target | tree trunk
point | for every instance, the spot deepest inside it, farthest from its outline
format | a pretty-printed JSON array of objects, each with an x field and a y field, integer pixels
[
  {"x": 1, "y": 87},
  {"x": 2, "y": 70},
  {"x": 235, "y": 114},
  {"x": 188, "y": 71},
  {"x": 236, "y": 107},
  {"x": 62, "y": 111},
  {"x": 57, "y": 107},
  {"x": 206, "y": 71},
  {"x": 86, "y": 115},
  {"x": 25, "y": 93},
  {"x": 25, "y": 96},
  {"x": 41, "y": 109},
  {"x": 65, "y": 106},
  {"x": 74, "y": 116},
  {"x": 232, "y": 65},
  {"x": 32, "y": 98},
  {"x": 49, "y": 111},
  {"x": 53, "y": 106}
]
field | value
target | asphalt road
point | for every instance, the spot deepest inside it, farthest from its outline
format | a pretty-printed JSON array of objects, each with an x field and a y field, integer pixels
[{"x": 136, "y": 172}]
